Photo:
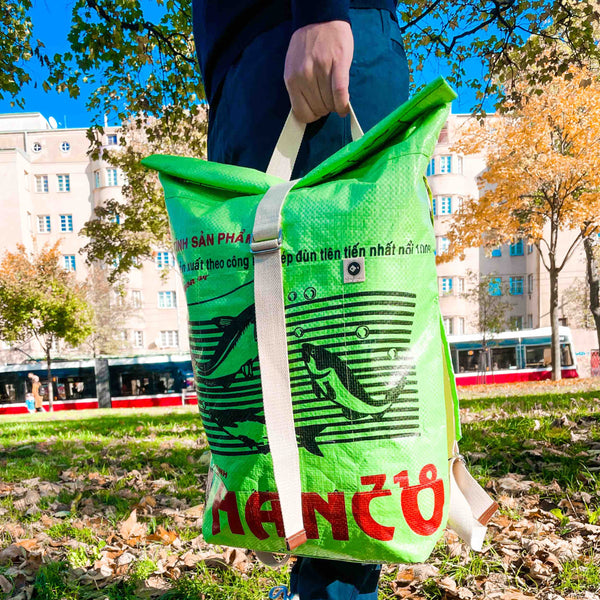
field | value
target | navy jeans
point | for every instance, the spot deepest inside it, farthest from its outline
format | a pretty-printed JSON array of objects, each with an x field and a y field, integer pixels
[{"x": 245, "y": 121}]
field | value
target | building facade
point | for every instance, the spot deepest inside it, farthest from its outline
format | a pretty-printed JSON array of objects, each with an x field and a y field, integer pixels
[
  {"x": 515, "y": 271},
  {"x": 50, "y": 187}
]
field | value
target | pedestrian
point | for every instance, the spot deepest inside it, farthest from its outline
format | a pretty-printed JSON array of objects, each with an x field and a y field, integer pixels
[
  {"x": 35, "y": 390},
  {"x": 259, "y": 58}
]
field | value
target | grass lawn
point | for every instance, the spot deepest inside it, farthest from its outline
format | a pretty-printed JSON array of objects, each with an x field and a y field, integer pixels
[{"x": 107, "y": 504}]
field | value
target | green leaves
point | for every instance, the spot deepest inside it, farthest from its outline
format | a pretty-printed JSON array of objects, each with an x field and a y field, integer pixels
[{"x": 38, "y": 298}]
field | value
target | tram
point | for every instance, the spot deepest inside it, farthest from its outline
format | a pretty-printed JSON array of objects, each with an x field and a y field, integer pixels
[
  {"x": 133, "y": 382},
  {"x": 510, "y": 356}
]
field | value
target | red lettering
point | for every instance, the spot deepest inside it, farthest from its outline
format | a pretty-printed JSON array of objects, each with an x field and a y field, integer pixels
[
  {"x": 410, "y": 504},
  {"x": 220, "y": 237},
  {"x": 229, "y": 238},
  {"x": 227, "y": 504},
  {"x": 362, "y": 514},
  {"x": 333, "y": 510},
  {"x": 256, "y": 516}
]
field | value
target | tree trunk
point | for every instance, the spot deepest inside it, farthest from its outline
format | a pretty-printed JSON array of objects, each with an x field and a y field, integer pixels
[
  {"x": 556, "y": 372},
  {"x": 593, "y": 283},
  {"x": 49, "y": 371}
]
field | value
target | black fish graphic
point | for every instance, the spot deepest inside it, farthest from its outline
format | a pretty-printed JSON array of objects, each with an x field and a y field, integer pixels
[
  {"x": 332, "y": 379},
  {"x": 231, "y": 354},
  {"x": 235, "y": 422}
]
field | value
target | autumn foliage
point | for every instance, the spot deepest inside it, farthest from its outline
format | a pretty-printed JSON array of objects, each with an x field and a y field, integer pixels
[
  {"x": 543, "y": 167},
  {"x": 542, "y": 177}
]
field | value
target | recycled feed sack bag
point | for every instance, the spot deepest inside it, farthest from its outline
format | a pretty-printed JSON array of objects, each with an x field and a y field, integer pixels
[{"x": 336, "y": 443}]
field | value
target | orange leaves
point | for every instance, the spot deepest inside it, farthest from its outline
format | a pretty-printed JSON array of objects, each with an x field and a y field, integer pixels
[{"x": 543, "y": 164}]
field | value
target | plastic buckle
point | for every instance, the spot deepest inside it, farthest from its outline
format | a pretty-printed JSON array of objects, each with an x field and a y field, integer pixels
[{"x": 264, "y": 246}]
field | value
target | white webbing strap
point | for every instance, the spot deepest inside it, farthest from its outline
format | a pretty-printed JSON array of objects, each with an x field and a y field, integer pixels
[
  {"x": 273, "y": 357},
  {"x": 470, "y": 505},
  {"x": 288, "y": 145}
]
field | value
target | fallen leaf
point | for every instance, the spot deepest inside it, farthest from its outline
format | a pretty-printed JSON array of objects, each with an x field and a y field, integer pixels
[
  {"x": 5, "y": 585},
  {"x": 131, "y": 528},
  {"x": 29, "y": 545}
]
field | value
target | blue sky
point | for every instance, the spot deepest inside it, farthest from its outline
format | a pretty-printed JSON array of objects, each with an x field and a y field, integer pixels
[{"x": 52, "y": 20}]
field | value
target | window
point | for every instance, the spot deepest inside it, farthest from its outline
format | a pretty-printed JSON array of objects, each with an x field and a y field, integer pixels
[
  {"x": 111, "y": 177},
  {"x": 516, "y": 323},
  {"x": 516, "y": 249},
  {"x": 69, "y": 262},
  {"x": 65, "y": 147},
  {"x": 431, "y": 167},
  {"x": 529, "y": 248},
  {"x": 495, "y": 286},
  {"x": 446, "y": 285},
  {"x": 460, "y": 325},
  {"x": 434, "y": 207},
  {"x": 459, "y": 203},
  {"x": 37, "y": 147},
  {"x": 136, "y": 298},
  {"x": 66, "y": 223},
  {"x": 169, "y": 339},
  {"x": 111, "y": 139},
  {"x": 459, "y": 164},
  {"x": 164, "y": 260},
  {"x": 167, "y": 300},
  {"x": 529, "y": 321},
  {"x": 530, "y": 283},
  {"x": 516, "y": 286},
  {"x": 504, "y": 358},
  {"x": 443, "y": 244},
  {"x": 446, "y": 205},
  {"x": 41, "y": 184},
  {"x": 64, "y": 183},
  {"x": 497, "y": 252},
  {"x": 96, "y": 179},
  {"x": 138, "y": 339},
  {"x": 116, "y": 218},
  {"x": 460, "y": 285},
  {"x": 445, "y": 164},
  {"x": 44, "y": 224},
  {"x": 448, "y": 325}
]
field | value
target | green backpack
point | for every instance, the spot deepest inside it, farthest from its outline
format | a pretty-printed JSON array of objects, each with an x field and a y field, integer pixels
[{"x": 322, "y": 370}]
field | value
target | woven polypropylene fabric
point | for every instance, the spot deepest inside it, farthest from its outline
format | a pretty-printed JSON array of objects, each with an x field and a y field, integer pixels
[{"x": 365, "y": 353}]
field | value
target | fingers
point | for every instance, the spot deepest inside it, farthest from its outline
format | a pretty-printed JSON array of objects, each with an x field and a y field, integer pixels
[
  {"x": 305, "y": 94},
  {"x": 317, "y": 70},
  {"x": 340, "y": 81}
]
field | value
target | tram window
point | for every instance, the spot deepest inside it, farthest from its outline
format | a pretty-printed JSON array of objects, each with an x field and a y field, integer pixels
[
  {"x": 8, "y": 393},
  {"x": 165, "y": 383},
  {"x": 566, "y": 356},
  {"x": 538, "y": 356},
  {"x": 470, "y": 360},
  {"x": 504, "y": 358}
]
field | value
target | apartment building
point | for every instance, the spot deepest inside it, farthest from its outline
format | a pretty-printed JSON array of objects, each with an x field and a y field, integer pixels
[
  {"x": 50, "y": 187},
  {"x": 515, "y": 270}
]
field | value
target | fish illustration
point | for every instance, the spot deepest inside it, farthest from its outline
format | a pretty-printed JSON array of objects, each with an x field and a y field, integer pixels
[
  {"x": 248, "y": 426},
  {"x": 244, "y": 424},
  {"x": 231, "y": 354},
  {"x": 333, "y": 380}
]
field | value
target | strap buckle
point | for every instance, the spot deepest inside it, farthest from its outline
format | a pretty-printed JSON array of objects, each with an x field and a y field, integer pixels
[{"x": 264, "y": 246}]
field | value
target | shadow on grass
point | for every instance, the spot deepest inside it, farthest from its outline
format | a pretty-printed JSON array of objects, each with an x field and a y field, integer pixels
[{"x": 544, "y": 438}]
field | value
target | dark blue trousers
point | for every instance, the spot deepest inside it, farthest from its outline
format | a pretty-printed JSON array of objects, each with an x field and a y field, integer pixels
[{"x": 245, "y": 121}]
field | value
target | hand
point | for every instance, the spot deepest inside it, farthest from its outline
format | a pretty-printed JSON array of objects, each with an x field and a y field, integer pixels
[{"x": 317, "y": 70}]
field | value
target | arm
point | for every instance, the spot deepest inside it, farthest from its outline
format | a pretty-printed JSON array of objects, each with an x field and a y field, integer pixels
[{"x": 317, "y": 64}]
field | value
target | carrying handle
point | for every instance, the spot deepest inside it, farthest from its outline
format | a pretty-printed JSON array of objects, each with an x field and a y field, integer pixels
[{"x": 288, "y": 145}]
